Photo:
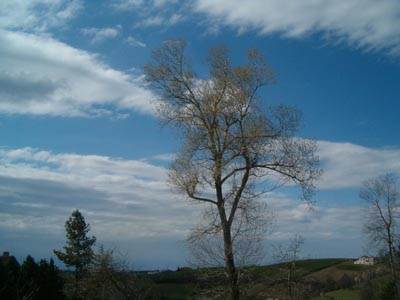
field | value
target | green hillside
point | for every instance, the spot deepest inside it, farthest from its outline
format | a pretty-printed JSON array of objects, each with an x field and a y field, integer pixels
[{"x": 316, "y": 279}]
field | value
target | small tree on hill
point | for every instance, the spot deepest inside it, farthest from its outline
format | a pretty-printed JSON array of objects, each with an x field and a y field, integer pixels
[
  {"x": 78, "y": 252},
  {"x": 382, "y": 196},
  {"x": 110, "y": 278},
  {"x": 289, "y": 255}
]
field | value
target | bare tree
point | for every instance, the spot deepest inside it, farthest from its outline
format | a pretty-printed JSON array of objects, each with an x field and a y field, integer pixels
[
  {"x": 206, "y": 246},
  {"x": 249, "y": 227},
  {"x": 289, "y": 256},
  {"x": 233, "y": 150},
  {"x": 382, "y": 197},
  {"x": 109, "y": 278}
]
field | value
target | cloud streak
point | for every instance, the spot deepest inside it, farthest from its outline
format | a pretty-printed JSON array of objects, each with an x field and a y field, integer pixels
[
  {"x": 319, "y": 221},
  {"x": 42, "y": 76},
  {"x": 127, "y": 201},
  {"x": 99, "y": 35},
  {"x": 130, "y": 40},
  {"x": 120, "y": 193},
  {"x": 366, "y": 24},
  {"x": 347, "y": 165},
  {"x": 37, "y": 15},
  {"x": 116, "y": 194}
]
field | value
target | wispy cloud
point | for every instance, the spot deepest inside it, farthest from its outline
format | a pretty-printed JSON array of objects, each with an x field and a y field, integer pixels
[
  {"x": 320, "y": 221},
  {"x": 98, "y": 35},
  {"x": 153, "y": 21},
  {"x": 165, "y": 157},
  {"x": 347, "y": 165},
  {"x": 37, "y": 15},
  {"x": 126, "y": 4},
  {"x": 155, "y": 13},
  {"x": 366, "y": 24},
  {"x": 129, "y": 200},
  {"x": 161, "y": 20},
  {"x": 129, "y": 5},
  {"x": 117, "y": 194},
  {"x": 42, "y": 76},
  {"x": 130, "y": 40}
]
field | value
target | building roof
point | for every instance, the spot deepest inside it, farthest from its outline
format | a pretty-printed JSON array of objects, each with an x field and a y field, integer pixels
[{"x": 6, "y": 259}]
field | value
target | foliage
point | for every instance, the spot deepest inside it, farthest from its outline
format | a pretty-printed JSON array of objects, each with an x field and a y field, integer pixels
[
  {"x": 50, "y": 281},
  {"x": 9, "y": 280},
  {"x": 108, "y": 278},
  {"x": 388, "y": 291},
  {"x": 342, "y": 294},
  {"x": 78, "y": 250},
  {"x": 31, "y": 281}
]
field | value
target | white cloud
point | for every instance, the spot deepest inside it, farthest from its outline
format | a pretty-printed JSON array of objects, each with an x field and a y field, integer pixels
[
  {"x": 165, "y": 157},
  {"x": 347, "y": 165},
  {"x": 153, "y": 21},
  {"x": 368, "y": 24},
  {"x": 98, "y": 35},
  {"x": 116, "y": 194},
  {"x": 119, "y": 194},
  {"x": 155, "y": 13},
  {"x": 163, "y": 3},
  {"x": 37, "y": 15},
  {"x": 317, "y": 222},
  {"x": 126, "y": 4},
  {"x": 134, "y": 42},
  {"x": 127, "y": 200},
  {"x": 161, "y": 20},
  {"x": 42, "y": 76},
  {"x": 175, "y": 18}
]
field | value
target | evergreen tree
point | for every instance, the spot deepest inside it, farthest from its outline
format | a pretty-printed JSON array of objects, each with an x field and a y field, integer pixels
[
  {"x": 9, "y": 275},
  {"x": 50, "y": 281},
  {"x": 78, "y": 252},
  {"x": 30, "y": 280},
  {"x": 28, "y": 284}
]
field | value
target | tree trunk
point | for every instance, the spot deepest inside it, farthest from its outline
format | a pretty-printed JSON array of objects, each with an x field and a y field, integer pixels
[
  {"x": 391, "y": 255},
  {"x": 290, "y": 281},
  {"x": 230, "y": 268}
]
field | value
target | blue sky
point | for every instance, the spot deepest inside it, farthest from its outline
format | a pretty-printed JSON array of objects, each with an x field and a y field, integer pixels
[{"x": 78, "y": 128}]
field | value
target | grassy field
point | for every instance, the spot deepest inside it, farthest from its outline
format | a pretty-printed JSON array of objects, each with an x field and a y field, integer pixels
[
  {"x": 303, "y": 267},
  {"x": 344, "y": 294},
  {"x": 171, "y": 291},
  {"x": 350, "y": 266},
  {"x": 314, "y": 265},
  {"x": 327, "y": 278}
]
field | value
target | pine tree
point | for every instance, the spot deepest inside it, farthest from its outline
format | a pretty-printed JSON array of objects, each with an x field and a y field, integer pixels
[
  {"x": 9, "y": 275},
  {"x": 78, "y": 252},
  {"x": 28, "y": 285},
  {"x": 50, "y": 281}
]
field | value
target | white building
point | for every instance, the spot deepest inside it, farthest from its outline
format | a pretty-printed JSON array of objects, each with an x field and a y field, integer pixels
[{"x": 365, "y": 260}]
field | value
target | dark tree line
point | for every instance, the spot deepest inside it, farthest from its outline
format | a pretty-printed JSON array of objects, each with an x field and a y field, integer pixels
[{"x": 31, "y": 280}]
